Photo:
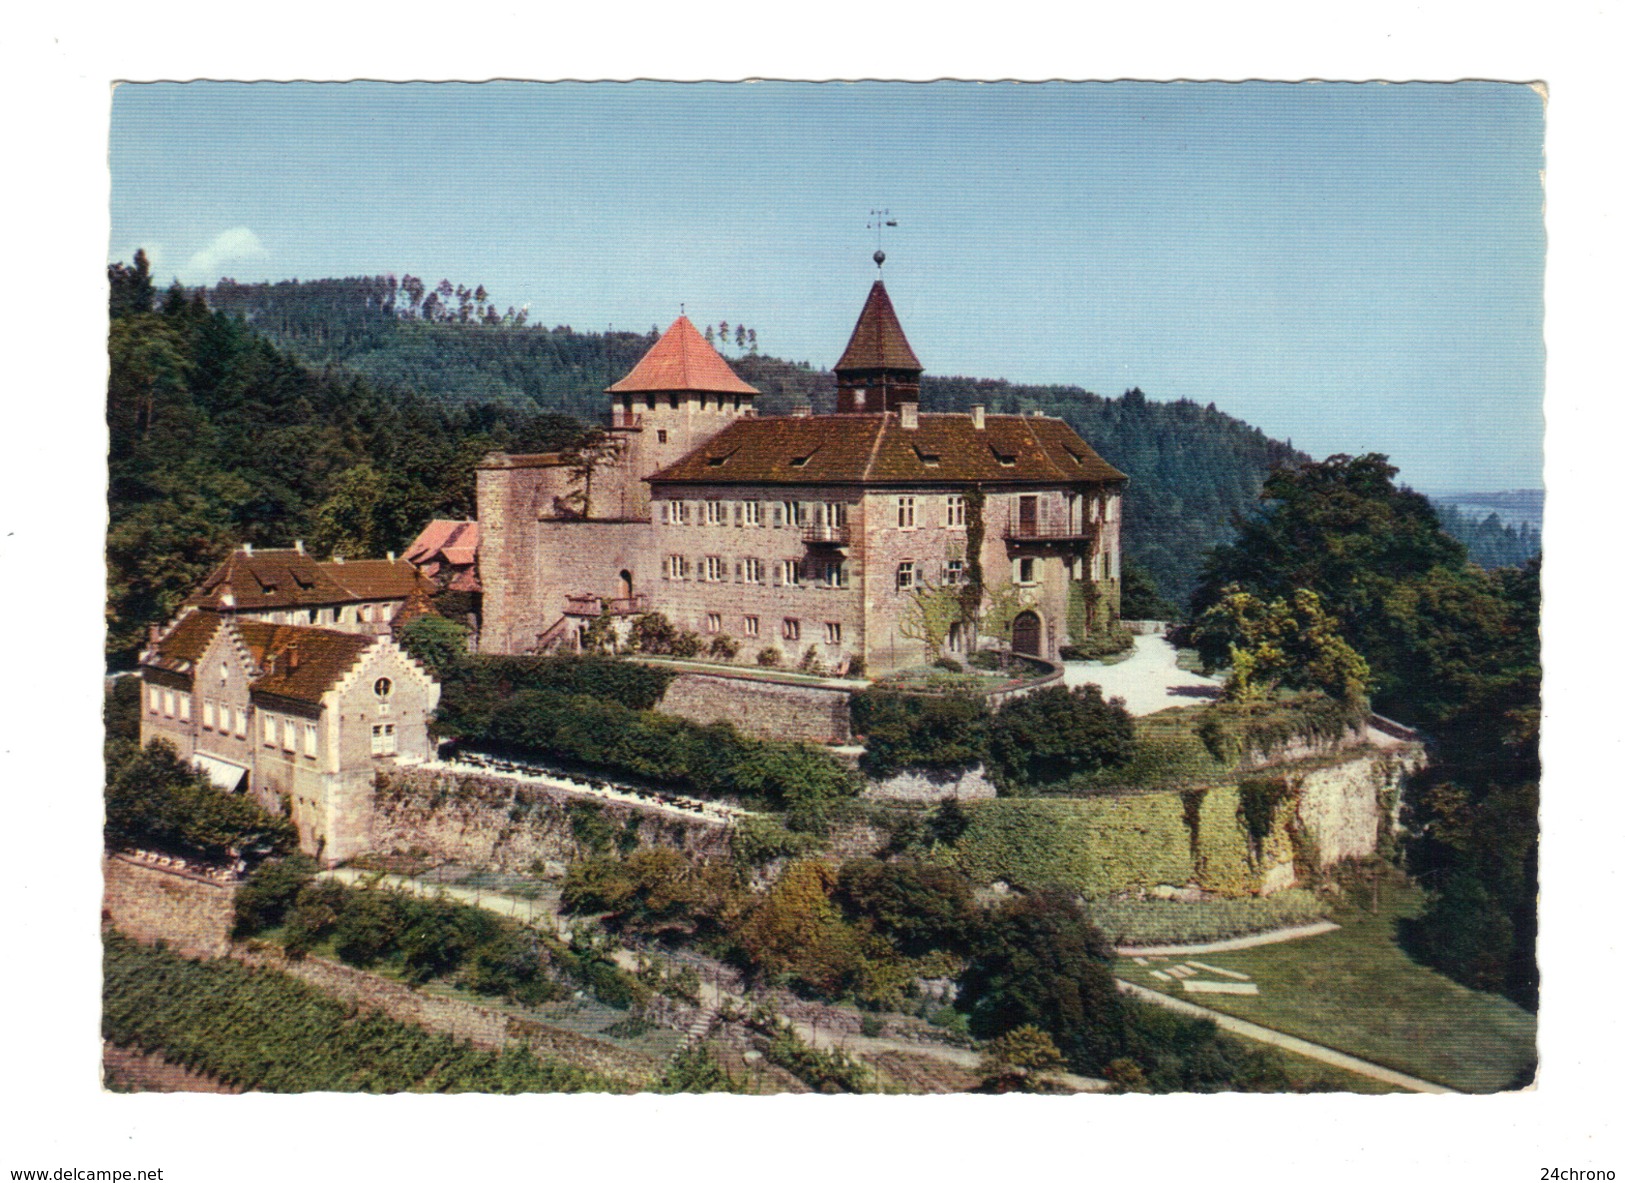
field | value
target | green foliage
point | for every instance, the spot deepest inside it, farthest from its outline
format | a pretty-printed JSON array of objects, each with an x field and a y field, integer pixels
[
  {"x": 264, "y": 1031},
  {"x": 694, "y": 1069},
  {"x": 1050, "y": 734},
  {"x": 1171, "y": 922},
  {"x": 1141, "y": 600},
  {"x": 831, "y": 1071},
  {"x": 1237, "y": 731},
  {"x": 1490, "y": 542},
  {"x": 265, "y": 897},
  {"x": 1105, "y": 642},
  {"x": 757, "y": 840},
  {"x": 655, "y": 892},
  {"x": 901, "y": 730},
  {"x": 1286, "y": 643},
  {"x": 1010, "y": 1060},
  {"x": 919, "y": 907},
  {"x": 121, "y": 710},
  {"x": 155, "y": 801},
  {"x": 593, "y": 832},
  {"x": 440, "y": 644}
]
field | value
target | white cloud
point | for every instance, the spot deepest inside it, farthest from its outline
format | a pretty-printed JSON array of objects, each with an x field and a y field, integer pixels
[{"x": 229, "y": 248}]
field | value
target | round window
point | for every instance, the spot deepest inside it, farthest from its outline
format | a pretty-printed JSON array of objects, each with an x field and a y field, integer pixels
[{"x": 382, "y": 687}]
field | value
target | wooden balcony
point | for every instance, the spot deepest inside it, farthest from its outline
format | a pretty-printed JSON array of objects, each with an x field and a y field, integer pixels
[
  {"x": 602, "y": 606},
  {"x": 825, "y": 536},
  {"x": 1026, "y": 530}
]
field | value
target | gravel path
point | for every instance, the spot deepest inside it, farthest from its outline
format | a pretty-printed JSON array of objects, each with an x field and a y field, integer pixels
[
  {"x": 1273, "y": 937},
  {"x": 1149, "y": 681}
]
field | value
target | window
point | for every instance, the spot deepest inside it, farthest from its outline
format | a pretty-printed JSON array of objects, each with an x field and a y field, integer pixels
[
  {"x": 364, "y": 613},
  {"x": 154, "y": 698},
  {"x": 1111, "y": 556},
  {"x": 382, "y": 687},
  {"x": 186, "y": 707},
  {"x": 835, "y": 513},
  {"x": 383, "y": 739},
  {"x": 225, "y": 672},
  {"x": 956, "y": 637},
  {"x": 778, "y": 515},
  {"x": 1111, "y": 508},
  {"x": 208, "y": 714},
  {"x": 1094, "y": 565},
  {"x": 955, "y": 512},
  {"x": 716, "y": 513},
  {"x": 751, "y": 570},
  {"x": 169, "y": 703},
  {"x": 716, "y": 569},
  {"x": 832, "y": 632},
  {"x": 288, "y": 735},
  {"x": 792, "y": 629},
  {"x": 680, "y": 512},
  {"x": 267, "y": 730},
  {"x": 797, "y": 513},
  {"x": 905, "y": 575},
  {"x": 241, "y": 730},
  {"x": 953, "y": 571},
  {"x": 713, "y": 622},
  {"x": 753, "y": 626},
  {"x": 905, "y": 513},
  {"x": 790, "y": 572},
  {"x": 310, "y": 739},
  {"x": 835, "y": 575},
  {"x": 675, "y": 567},
  {"x": 660, "y": 435},
  {"x": 1026, "y": 571},
  {"x": 752, "y": 511},
  {"x": 1094, "y": 509}
]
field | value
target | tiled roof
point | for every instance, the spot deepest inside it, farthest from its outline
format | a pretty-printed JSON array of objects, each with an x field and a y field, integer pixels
[
  {"x": 252, "y": 581},
  {"x": 182, "y": 647},
  {"x": 877, "y": 340},
  {"x": 299, "y": 662},
  {"x": 376, "y": 579},
  {"x": 455, "y": 542},
  {"x": 682, "y": 360},
  {"x": 877, "y": 449}
]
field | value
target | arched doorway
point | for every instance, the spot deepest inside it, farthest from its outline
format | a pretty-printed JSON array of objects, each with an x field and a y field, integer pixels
[
  {"x": 626, "y": 585},
  {"x": 1026, "y": 634}
]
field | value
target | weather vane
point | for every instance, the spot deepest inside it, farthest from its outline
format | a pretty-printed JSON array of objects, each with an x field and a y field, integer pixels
[{"x": 878, "y": 220}]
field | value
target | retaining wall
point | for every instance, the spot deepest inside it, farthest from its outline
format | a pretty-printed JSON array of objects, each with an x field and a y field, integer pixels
[
  {"x": 188, "y": 912},
  {"x": 772, "y": 710},
  {"x": 508, "y": 825},
  {"x": 920, "y": 784}
]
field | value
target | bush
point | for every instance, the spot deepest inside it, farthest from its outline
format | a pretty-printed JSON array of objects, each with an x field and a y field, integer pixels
[
  {"x": 156, "y": 801},
  {"x": 756, "y": 840},
  {"x": 1049, "y": 735},
  {"x": 901, "y": 730},
  {"x": 1109, "y": 642},
  {"x": 770, "y": 658},
  {"x": 723, "y": 647},
  {"x": 264, "y": 898},
  {"x": 439, "y": 644},
  {"x": 948, "y": 663}
]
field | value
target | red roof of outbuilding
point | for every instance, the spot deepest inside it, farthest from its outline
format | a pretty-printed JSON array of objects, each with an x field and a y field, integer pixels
[
  {"x": 682, "y": 360},
  {"x": 877, "y": 340}
]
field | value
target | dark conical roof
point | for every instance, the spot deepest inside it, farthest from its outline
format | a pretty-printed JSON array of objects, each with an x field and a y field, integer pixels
[{"x": 877, "y": 341}]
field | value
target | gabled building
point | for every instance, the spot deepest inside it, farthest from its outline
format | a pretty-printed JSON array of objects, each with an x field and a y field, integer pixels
[
  {"x": 298, "y": 716},
  {"x": 370, "y": 596},
  {"x": 446, "y": 553},
  {"x": 855, "y": 535}
]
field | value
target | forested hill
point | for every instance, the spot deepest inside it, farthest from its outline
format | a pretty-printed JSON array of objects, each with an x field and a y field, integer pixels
[{"x": 1194, "y": 470}]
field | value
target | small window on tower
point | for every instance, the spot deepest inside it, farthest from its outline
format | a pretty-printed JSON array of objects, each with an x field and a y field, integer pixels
[{"x": 660, "y": 435}]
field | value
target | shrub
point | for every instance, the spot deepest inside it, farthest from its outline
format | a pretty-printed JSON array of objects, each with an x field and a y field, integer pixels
[
  {"x": 1108, "y": 642},
  {"x": 855, "y": 665},
  {"x": 901, "y": 730},
  {"x": 265, "y": 897},
  {"x": 155, "y": 800},
  {"x": 723, "y": 647},
  {"x": 948, "y": 663},
  {"x": 439, "y": 644},
  {"x": 686, "y": 644},
  {"x": 809, "y": 663},
  {"x": 769, "y": 658},
  {"x": 986, "y": 659},
  {"x": 1053, "y": 733},
  {"x": 756, "y": 840}
]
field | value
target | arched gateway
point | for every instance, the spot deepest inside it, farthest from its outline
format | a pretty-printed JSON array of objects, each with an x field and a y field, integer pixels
[{"x": 1026, "y": 634}]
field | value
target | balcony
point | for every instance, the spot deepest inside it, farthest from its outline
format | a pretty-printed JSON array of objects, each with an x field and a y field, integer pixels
[
  {"x": 603, "y": 606},
  {"x": 1027, "y": 530},
  {"x": 825, "y": 535}
]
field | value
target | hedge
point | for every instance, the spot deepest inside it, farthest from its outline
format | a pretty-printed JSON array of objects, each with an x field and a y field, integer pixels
[
  {"x": 1159, "y": 922},
  {"x": 1100, "y": 846}
]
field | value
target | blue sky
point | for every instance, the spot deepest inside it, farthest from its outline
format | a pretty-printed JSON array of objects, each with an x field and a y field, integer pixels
[{"x": 1353, "y": 267}]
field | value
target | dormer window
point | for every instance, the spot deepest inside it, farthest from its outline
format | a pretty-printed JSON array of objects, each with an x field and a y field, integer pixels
[
  {"x": 927, "y": 458},
  {"x": 1004, "y": 458}
]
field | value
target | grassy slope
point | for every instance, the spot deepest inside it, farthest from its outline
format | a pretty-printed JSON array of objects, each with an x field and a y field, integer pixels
[{"x": 1355, "y": 990}]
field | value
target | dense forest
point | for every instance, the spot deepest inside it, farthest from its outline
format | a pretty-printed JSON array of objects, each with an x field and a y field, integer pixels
[{"x": 1195, "y": 469}]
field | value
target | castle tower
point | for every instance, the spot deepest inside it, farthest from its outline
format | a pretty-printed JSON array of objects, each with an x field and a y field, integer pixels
[{"x": 878, "y": 371}]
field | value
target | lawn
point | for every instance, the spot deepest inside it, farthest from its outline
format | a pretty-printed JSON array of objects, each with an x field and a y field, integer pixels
[{"x": 1355, "y": 990}]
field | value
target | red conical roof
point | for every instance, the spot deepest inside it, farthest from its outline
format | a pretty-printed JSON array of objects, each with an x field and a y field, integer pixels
[
  {"x": 682, "y": 360},
  {"x": 877, "y": 342}
]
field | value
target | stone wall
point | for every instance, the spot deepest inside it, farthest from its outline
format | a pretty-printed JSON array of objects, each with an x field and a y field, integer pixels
[
  {"x": 921, "y": 784},
  {"x": 483, "y": 1026},
  {"x": 775, "y": 710},
  {"x": 1345, "y": 809},
  {"x": 189, "y": 912},
  {"x": 509, "y": 825}
]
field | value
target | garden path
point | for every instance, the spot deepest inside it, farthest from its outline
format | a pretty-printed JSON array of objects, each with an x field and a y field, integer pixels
[{"x": 1147, "y": 681}]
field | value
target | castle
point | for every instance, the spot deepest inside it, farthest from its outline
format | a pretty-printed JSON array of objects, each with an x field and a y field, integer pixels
[{"x": 874, "y": 538}]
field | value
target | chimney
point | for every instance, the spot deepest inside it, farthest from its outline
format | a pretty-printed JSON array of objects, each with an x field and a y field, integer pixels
[
  {"x": 802, "y": 411},
  {"x": 338, "y": 558},
  {"x": 299, "y": 545},
  {"x": 978, "y": 417},
  {"x": 248, "y": 548},
  {"x": 293, "y": 657},
  {"x": 152, "y": 634},
  {"x": 909, "y": 412},
  {"x": 391, "y": 555}
]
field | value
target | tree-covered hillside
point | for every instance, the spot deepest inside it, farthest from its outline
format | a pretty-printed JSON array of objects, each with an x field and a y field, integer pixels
[
  {"x": 1490, "y": 542},
  {"x": 1194, "y": 470}
]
